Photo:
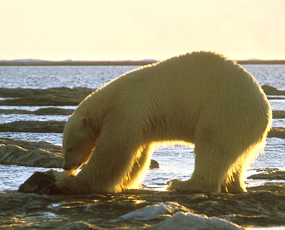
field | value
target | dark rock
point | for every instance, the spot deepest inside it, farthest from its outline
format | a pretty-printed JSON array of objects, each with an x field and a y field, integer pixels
[
  {"x": 276, "y": 132},
  {"x": 53, "y": 111},
  {"x": 269, "y": 174},
  {"x": 28, "y": 153},
  {"x": 14, "y": 111},
  {"x": 270, "y": 90},
  {"x": 33, "y": 126},
  {"x": 39, "y": 182},
  {"x": 154, "y": 164},
  {"x": 43, "y": 111},
  {"x": 38, "y": 97},
  {"x": 278, "y": 114},
  {"x": 79, "y": 92},
  {"x": 42, "y": 183},
  {"x": 40, "y": 101}
]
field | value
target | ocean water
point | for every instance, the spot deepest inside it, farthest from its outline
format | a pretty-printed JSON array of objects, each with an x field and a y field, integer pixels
[{"x": 175, "y": 161}]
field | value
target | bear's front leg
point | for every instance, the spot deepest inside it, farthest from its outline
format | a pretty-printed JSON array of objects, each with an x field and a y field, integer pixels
[
  {"x": 109, "y": 165},
  {"x": 72, "y": 185}
]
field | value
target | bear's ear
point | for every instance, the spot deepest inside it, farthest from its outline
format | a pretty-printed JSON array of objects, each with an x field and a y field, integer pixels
[{"x": 85, "y": 121}]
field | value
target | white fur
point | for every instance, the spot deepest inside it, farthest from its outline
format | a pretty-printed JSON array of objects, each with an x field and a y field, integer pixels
[{"x": 198, "y": 98}]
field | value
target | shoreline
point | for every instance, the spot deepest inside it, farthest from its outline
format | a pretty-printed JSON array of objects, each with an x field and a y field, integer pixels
[
  {"x": 118, "y": 63},
  {"x": 261, "y": 206}
]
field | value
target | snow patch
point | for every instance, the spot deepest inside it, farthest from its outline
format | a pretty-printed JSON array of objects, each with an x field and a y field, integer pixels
[
  {"x": 190, "y": 221},
  {"x": 177, "y": 216},
  {"x": 152, "y": 212}
]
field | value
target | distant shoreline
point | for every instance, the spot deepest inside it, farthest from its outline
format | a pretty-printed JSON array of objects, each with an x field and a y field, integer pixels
[
  {"x": 118, "y": 63},
  {"x": 75, "y": 63}
]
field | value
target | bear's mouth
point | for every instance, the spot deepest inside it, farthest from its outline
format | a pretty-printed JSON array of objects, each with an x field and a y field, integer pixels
[
  {"x": 71, "y": 172},
  {"x": 76, "y": 167}
]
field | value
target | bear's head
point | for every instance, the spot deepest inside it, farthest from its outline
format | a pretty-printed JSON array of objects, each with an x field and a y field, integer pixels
[{"x": 78, "y": 142}]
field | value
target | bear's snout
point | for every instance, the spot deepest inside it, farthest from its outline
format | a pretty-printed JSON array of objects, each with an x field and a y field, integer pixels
[{"x": 68, "y": 167}]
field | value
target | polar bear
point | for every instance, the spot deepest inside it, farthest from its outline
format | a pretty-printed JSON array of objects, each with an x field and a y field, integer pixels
[{"x": 198, "y": 98}]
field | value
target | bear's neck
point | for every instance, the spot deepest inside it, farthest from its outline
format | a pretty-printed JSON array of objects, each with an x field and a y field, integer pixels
[{"x": 90, "y": 107}]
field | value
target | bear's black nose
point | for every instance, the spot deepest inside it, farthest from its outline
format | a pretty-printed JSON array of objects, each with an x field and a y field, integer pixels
[{"x": 66, "y": 168}]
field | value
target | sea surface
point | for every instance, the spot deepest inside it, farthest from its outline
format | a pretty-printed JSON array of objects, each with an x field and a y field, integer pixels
[{"x": 175, "y": 161}]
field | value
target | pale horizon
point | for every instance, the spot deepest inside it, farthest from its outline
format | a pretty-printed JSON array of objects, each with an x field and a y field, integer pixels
[
  {"x": 138, "y": 30},
  {"x": 123, "y": 60}
]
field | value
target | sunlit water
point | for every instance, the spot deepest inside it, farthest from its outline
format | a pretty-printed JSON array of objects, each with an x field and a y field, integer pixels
[{"x": 175, "y": 161}]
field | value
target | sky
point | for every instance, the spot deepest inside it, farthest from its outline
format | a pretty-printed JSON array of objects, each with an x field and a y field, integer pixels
[{"x": 136, "y": 30}]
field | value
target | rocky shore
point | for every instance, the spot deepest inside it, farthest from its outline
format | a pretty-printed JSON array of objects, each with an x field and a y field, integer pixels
[
  {"x": 40, "y": 97},
  {"x": 263, "y": 205},
  {"x": 260, "y": 206}
]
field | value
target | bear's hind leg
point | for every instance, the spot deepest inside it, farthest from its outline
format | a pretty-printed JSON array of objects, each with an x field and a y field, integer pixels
[
  {"x": 234, "y": 183},
  {"x": 211, "y": 167}
]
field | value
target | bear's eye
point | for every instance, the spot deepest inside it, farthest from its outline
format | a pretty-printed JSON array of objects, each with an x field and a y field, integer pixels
[{"x": 69, "y": 150}]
